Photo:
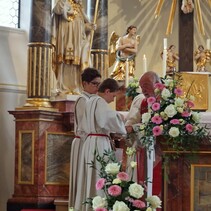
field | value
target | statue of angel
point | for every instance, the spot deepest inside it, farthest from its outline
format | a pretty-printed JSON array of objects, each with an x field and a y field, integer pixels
[
  {"x": 202, "y": 58},
  {"x": 122, "y": 51}
]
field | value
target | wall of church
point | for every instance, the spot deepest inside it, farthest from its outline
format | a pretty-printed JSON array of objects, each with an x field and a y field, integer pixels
[{"x": 13, "y": 74}]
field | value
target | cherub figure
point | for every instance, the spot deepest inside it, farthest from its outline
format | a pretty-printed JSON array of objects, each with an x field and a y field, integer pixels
[
  {"x": 202, "y": 57},
  {"x": 172, "y": 58}
]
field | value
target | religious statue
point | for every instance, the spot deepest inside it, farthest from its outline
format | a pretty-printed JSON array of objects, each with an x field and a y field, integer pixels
[
  {"x": 70, "y": 36},
  {"x": 172, "y": 58},
  {"x": 187, "y": 6},
  {"x": 202, "y": 57},
  {"x": 125, "y": 49}
]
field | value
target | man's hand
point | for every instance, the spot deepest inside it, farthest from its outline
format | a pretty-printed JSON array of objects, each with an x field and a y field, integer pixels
[{"x": 129, "y": 129}]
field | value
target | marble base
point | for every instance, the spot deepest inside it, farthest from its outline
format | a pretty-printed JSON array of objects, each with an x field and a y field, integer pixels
[{"x": 42, "y": 153}]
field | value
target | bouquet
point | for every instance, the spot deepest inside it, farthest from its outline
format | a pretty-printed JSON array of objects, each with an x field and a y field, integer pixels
[
  {"x": 133, "y": 88},
  {"x": 120, "y": 192},
  {"x": 170, "y": 115}
]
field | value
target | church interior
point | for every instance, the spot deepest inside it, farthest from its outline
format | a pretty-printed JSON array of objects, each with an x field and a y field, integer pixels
[{"x": 50, "y": 119}]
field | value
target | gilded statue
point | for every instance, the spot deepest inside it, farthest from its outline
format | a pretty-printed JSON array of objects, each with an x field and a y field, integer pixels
[
  {"x": 70, "y": 36},
  {"x": 172, "y": 58},
  {"x": 202, "y": 58},
  {"x": 122, "y": 51}
]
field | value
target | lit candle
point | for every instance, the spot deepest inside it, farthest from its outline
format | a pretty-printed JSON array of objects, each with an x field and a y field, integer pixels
[
  {"x": 144, "y": 63},
  {"x": 165, "y": 43},
  {"x": 208, "y": 44},
  {"x": 127, "y": 74}
]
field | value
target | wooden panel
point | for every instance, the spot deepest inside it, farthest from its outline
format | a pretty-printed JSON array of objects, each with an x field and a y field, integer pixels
[{"x": 186, "y": 28}]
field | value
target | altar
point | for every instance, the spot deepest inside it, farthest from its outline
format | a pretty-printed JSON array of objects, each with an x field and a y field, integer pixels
[{"x": 189, "y": 178}]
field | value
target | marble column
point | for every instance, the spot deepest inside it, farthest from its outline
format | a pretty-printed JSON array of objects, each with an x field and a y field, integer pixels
[
  {"x": 99, "y": 51},
  {"x": 39, "y": 55}
]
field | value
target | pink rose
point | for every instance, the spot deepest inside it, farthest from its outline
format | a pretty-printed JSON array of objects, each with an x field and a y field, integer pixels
[
  {"x": 139, "y": 204},
  {"x": 185, "y": 114},
  {"x": 178, "y": 92},
  {"x": 157, "y": 119},
  {"x": 159, "y": 86},
  {"x": 189, "y": 128},
  {"x": 156, "y": 106},
  {"x": 114, "y": 190},
  {"x": 190, "y": 104},
  {"x": 175, "y": 121},
  {"x": 123, "y": 176},
  {"x": 100, "y": 184},
  {"x": 101, "y": 209},
  {"x": 157, "y": 131},
  {"x": 151, "y": 100}
]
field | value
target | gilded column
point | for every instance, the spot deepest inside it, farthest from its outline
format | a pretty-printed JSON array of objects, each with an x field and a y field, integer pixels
[
  {"x": 39, "y": 55},
  {"x": 99, "y": 49}
]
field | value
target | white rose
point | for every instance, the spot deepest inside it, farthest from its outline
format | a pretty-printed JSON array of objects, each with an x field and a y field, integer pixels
[
  {"x": 179, "y": 102},
  {"x": 120, "y": 206},
  {"x": 180, "y": 109},
  {"x": 170, "y": 110},
  {"x": 182, "y": 121},
  {"x": 112, "y": 168},
  {"x": 196, "y": 117},
  {"x": 98, "y": 202},
  {"x": 130, "y": 151},
  {"x": 154, "y": 201},
  {"x": 116, "y": 181},
  {"x": 146, "y": 117},
  {"x": 133, "y": 164},
  {"x": 142, "y": 127},
  {"x": 136, "y": 190},
  {"x": 168, "y": 82},
  {"x": 192, "y": 98},
  {"x": 174, "y": 132},
  {"x": 163, "y": 115},
  {"x": 165, "y": 94}
]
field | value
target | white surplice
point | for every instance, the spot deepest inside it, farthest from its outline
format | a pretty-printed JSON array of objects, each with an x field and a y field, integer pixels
[
  {"x": 101, "y": 120},
  {"x": 76, "y": 146}
]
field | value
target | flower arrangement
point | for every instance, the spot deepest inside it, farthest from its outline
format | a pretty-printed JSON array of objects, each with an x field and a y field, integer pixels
[
  {"x": 120, "y": 192},
  {"x": 133, "y": 88},
  {"x": 170, "y": 115}
]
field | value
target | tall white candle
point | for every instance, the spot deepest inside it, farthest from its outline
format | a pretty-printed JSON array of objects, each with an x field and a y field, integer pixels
[
  {"x": 165, "y": 43},
  {"x": 127, "y": 74},
  {"x": 144, "y": 63},
  {"x": 164, "y": 55},
  {"x": 164, "y": 61},
  {"x": 208, "y": 44}
]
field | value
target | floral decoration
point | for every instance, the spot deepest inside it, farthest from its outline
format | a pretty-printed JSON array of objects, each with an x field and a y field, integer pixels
[
  {"x": 120, "y": 192},
  {"x": 170, "y": 115},
  {"x": 133, "y": 88}
]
